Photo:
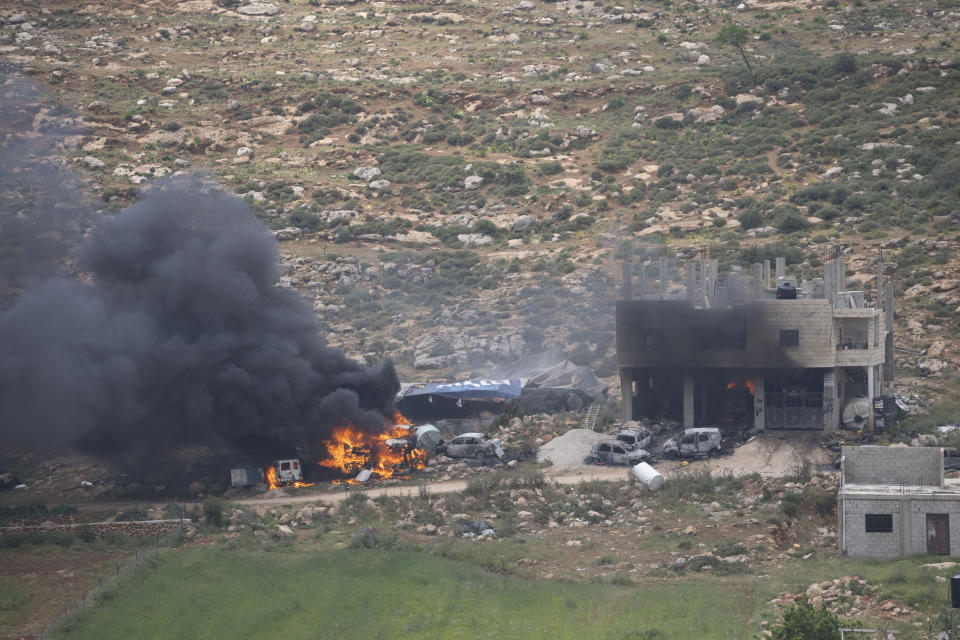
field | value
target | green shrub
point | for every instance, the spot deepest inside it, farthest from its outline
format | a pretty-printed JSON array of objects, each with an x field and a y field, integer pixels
[
  {"x": 370, "y": 538},
  {"x": 131, "y": 515},
  {"x": 213, "y": 512},
  {"x": 667, "y": 123},
  {"x": 790, "y": 503},
  {"x": 803, "y": 622}
]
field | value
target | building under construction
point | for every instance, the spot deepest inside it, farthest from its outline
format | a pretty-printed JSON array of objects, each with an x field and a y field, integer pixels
[{"x": 756, "y": 349}]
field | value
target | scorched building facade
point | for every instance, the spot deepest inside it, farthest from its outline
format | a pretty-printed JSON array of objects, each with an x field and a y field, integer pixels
[{"x": 754, "y": 351}]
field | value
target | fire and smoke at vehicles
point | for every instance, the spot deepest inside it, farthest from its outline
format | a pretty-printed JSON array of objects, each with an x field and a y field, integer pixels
[
  {"x": 159, "y": 326},
  {"x": 179, "y": 334},
  {"x": 350, "y": 450}
]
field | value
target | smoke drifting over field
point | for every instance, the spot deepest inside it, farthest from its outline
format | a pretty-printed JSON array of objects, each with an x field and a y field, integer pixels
[{"x": 163, "y": 327}]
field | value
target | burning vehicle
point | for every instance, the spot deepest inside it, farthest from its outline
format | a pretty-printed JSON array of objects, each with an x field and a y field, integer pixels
[
  {"x": 697, "y": 442},
  {"x": 617, "y": 452},
  {"x": 388, "y": 454},
  {"x": 286, "y": 473}
]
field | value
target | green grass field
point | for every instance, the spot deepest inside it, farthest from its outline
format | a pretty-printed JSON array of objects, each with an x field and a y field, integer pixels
[{"x": 212, "y": 593}]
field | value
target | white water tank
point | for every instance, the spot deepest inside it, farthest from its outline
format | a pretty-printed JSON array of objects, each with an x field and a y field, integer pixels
[
  {"x": 649, "y": 476},
  {"x": 856, "y": 413}
]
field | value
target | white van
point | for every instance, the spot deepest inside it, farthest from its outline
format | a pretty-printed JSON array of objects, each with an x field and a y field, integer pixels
[{"x": 288, "y": 471}]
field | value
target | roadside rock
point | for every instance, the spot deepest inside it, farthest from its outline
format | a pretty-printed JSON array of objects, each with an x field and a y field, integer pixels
[
  {"x": 259, "y": 9},
  {"x": 474, "y": 239},
  {"x": 521, "y": 223},
  {"x": 367, "y": 174}
]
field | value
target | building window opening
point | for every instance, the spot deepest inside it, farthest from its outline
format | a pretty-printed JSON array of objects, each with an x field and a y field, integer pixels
[
  {"x": 878, "y": 523},
  {"x": 789, "y": 337}
]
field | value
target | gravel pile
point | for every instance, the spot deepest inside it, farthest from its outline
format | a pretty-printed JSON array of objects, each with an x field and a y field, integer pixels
[{"x": 571, "y": 448}]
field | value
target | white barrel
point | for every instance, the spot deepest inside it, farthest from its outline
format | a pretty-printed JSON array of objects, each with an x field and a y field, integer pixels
[{"x": 648, "y": 476}]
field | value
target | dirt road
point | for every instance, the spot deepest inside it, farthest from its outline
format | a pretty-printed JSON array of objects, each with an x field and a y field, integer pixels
[{"x": 769, "y": 454}]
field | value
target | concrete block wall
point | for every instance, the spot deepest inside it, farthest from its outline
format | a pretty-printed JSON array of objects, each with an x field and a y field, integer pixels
[
  {"x": 857, "y": 542},
  {"x": 909, "y": 516},
  {"x": 812, "y": 318},
  {"x": 911, "y": 466}
]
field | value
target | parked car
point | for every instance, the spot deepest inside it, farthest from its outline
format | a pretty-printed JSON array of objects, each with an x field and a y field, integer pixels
[
  {"x": 640, "y": 438},
  {"x": 617, "y": 452},
  {"x": 473, "y": 445},
  {"x": 697, "y": 442}
]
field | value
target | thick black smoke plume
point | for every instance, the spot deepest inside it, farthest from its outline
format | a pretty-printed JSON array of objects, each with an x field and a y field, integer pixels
[
  {"x": 179, "y": 336},
  {"x": 41, "y": 215}
]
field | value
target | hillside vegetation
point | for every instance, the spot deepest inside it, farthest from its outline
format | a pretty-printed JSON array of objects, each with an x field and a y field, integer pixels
[{"x": 455, "y": 183}]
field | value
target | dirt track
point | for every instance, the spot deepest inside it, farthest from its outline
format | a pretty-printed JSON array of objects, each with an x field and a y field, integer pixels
[{"x": 769, "y": 454}]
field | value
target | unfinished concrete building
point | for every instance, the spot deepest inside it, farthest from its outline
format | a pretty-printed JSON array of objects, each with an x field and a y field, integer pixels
[
  {"x": 893, "y": 501},
  {"x": 707, "y": 348}
]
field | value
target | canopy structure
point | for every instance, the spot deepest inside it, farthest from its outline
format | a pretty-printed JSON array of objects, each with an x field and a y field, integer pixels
[
  {"x": 552, "y": 382},
  {"x": 428, "y": 400}
]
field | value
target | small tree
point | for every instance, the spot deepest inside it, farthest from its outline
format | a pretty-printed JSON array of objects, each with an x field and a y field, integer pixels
[
  {"x": 735, "y": 36},
  {"x": 803, "y": 622}
]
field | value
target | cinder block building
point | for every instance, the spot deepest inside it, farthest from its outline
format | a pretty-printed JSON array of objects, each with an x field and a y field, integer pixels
[
  {"x": 730, "y": 347},
  {"x": 893, "y": 502}
]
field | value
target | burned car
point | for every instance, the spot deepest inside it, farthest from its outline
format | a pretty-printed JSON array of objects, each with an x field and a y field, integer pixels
[
  {"x": 616, "y": 452},
  {"x": 697, "y": 442},
  {"x": 473, "y": 445},
  {"x": 640, "y": 438}
]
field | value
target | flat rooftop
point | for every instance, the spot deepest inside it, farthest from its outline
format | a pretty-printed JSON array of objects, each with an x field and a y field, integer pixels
[{"x": 951, "y": 488}]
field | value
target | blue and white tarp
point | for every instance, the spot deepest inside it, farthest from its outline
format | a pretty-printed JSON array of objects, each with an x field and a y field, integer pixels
[{"x": 468, "y": 390}]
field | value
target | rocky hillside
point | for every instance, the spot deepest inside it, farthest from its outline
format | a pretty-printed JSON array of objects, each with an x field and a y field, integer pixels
[{"x": 455, "y": 183}]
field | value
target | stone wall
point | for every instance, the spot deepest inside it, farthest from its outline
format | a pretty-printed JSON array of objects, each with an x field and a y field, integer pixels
[{"x": 101, "y": 529}]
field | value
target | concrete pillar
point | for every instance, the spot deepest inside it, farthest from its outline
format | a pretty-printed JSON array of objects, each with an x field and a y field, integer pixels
[
  {"x": 829, "y": 286},
  {"x": 870, "y": 396},
  {"x": 880, "y": 288},
  {"x": 840, "y": 279},
  {"x": 664, "y": 269},
  {"x": 759, "y": 419},
  {"x": 702, "y": 392},
  {"x": 692, "y": 282},
  {"x": 626, "y": 392},
  {"x": 888, "y": 307},
  {"x": 642, "y": 282},
  {"x": 757, "y": 281},
  {"x": 766, "y": 274},
  {"x": 831, "y": 404},
  {"x": 906, "y": 529},
  {"x": 888, "y": 370},
  {"x": 627, "y": 293},
  {"x": 781, "y": 268},
  {"x": 688, "y": 400}
]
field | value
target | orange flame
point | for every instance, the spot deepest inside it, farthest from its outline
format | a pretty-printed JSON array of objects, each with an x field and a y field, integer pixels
[
  {"x": 747, "y": 384},
  {"x": 273, "y": 483},
  {"x": 350, "y": 450},
  {"x": 272, "y": 478}
]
